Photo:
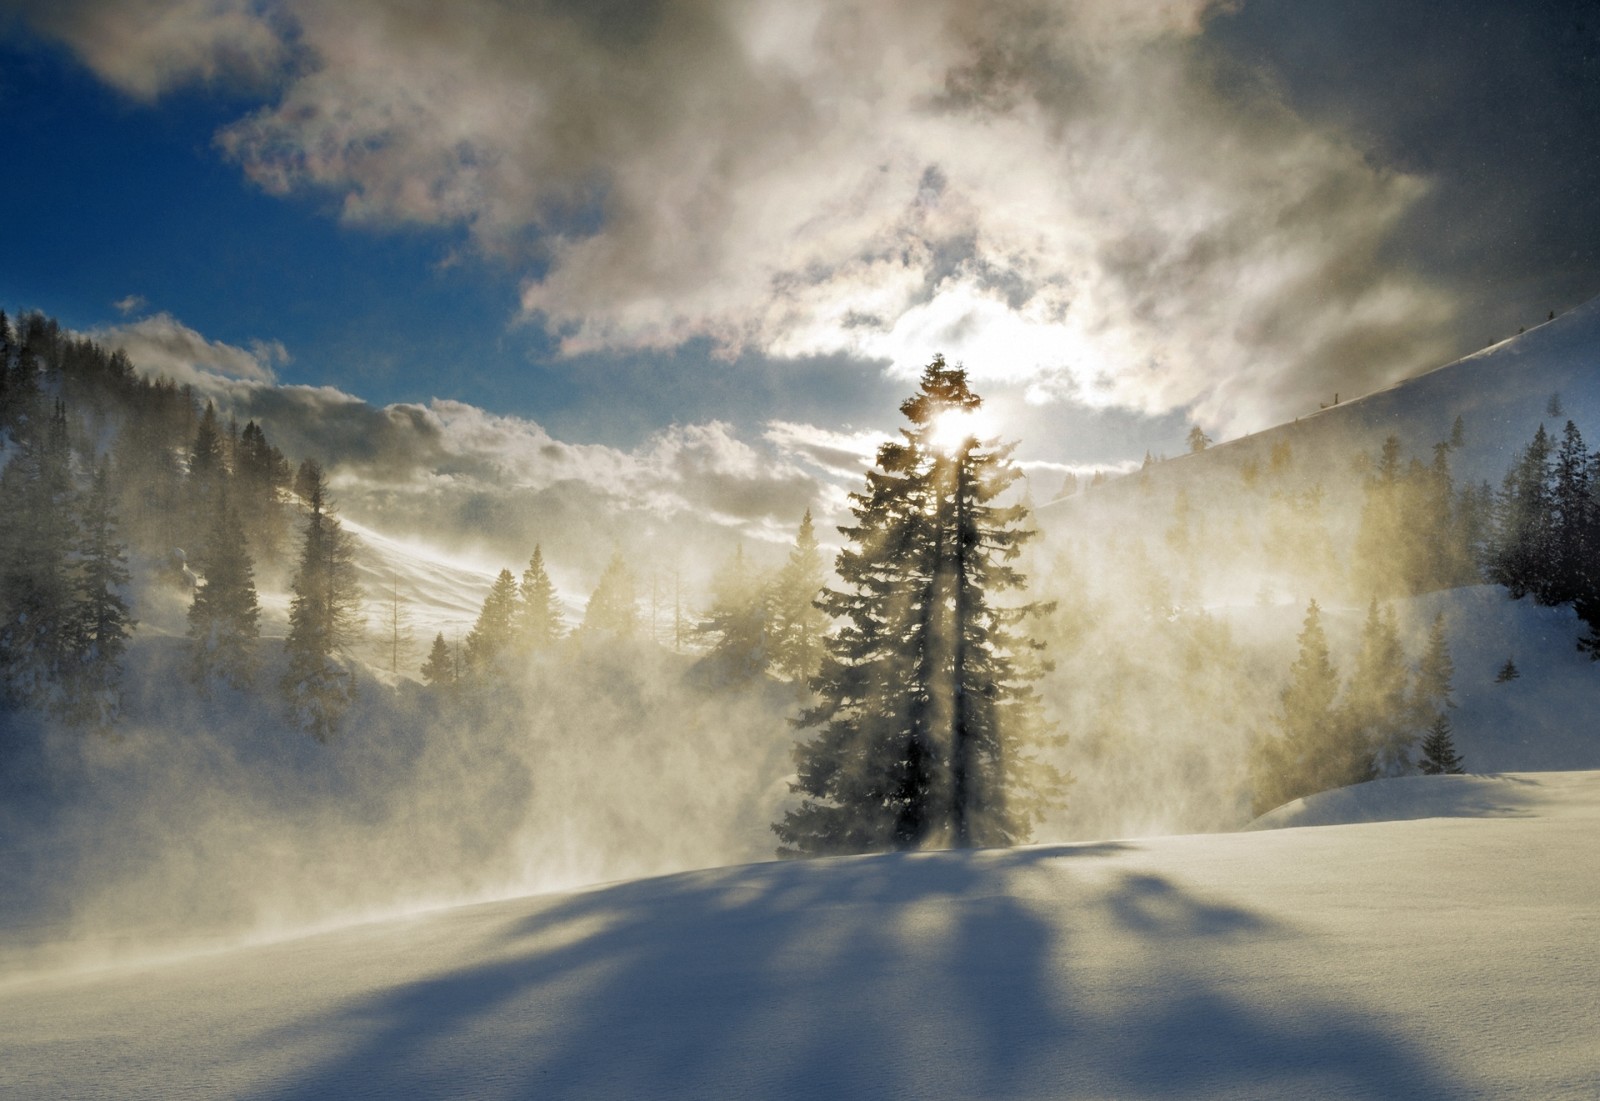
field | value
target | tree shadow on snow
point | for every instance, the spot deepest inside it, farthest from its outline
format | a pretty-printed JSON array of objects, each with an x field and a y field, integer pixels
[{"x": 908, "y": 975}]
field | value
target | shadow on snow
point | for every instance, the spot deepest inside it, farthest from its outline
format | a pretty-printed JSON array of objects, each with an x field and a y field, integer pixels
[{"x": 886, "y": 976}]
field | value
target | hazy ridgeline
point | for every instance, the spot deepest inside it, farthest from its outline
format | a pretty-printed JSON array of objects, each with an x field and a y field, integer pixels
[{"x": 1177, "y": 593}]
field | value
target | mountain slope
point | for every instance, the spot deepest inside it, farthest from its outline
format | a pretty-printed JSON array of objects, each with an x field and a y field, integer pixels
[{"x": 1447, "y": 957}]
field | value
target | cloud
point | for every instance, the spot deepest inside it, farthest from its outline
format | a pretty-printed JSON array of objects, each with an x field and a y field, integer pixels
[
  {"x": 162, "y": 345},
  {"x": 145, "y": 47},
  {"x": 490, "y": 482},
  {"x": 1083, "y": 199},
  {"x": 130, "y": 304},
  {"x": 846, "y": 454}
]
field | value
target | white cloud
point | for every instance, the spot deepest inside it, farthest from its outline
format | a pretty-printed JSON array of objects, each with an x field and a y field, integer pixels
[
  {"x": 146, "y": 47},
  {"x": 1076, "y": 197},
  {"x": 162, "y": 345},
  {"x": 847, "y": 454}
]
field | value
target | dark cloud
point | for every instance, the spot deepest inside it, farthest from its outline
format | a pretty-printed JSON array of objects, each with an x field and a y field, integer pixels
[{"x": 1496, "y": 103}]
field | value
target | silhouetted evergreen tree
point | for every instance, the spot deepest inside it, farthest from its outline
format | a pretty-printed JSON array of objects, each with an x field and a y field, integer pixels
[
  {"x": 261, "y": 476},
  {"x": 1430, "y": 694},
  {"x": 798, "y": 625},
  {"x": 494, "y": 634},
  {"x": 224, "y": 617},
  {"x": 1315, "y": 749},
  {"x": 322, "y": 614},
  {"x": 439, "y": 671},
  {"x": 208, "y": 466},
  {"x": 103, "y": 623},
  {"x": 1439, "y": 749},
  {"x": 38, "y": 590},
  {"x": 926, "y": 710},
  {"x": 1570, "y": 572},
  {"x": 1521, "y": 553},
  {"x": 23, "y": 399},
  {"x": 736, "y": 623},
  {"x": 1375, "y": 704},
  {"x": 538, "y": 617}
]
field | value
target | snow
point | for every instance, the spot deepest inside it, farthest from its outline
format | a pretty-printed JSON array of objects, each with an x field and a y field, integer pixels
[
  {"x": 1422, "y": 938},
  {"x": 1450, "y": 954}
]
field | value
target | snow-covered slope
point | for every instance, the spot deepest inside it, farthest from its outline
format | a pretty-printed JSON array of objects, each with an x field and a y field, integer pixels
[{"x": 1448, "y": 957}]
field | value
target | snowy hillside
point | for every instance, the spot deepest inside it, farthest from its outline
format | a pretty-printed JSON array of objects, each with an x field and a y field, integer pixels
[
  {"x": 1450, "y": 956},
  {"x": 1189, "y": 582}
]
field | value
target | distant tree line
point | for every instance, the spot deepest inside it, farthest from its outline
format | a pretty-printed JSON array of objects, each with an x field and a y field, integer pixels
[{"x": 755, "y": 624}]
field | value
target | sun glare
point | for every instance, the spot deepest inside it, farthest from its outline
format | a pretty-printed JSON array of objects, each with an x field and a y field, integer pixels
[{"x": 956, "y": 428}]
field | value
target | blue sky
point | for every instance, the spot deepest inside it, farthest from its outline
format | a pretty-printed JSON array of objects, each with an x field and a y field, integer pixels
[{"x": 614, "y": 218}]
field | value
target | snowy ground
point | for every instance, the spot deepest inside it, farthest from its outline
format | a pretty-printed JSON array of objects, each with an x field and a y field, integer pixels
[{"x": 1453, "y": 953}]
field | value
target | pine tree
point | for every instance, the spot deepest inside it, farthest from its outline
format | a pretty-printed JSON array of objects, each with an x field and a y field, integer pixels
[
  {"x": 1508, "y": 672},
  {"x": 1382, "y": 564},
  {"x": 322, "y": 614},
  {"x": 1376, "y": 704},
  {"x": 926, "y": 718},
  {"x": 737, "y": 622},
  {"x": 1430, "y": 694},
  {"x": 208, "y": 469},
  {"x": 224, "y": 618},
  {"x": 38, "y": 591},
  {"x": 1572, "y": 520},
  {"x": 439, "y": 671},
  {"x": 103, "y": 620},
  {"x": 538, "y": 617},
  {"x": 1439, "y": 750},
  {"x": 261, "y": 475},
  {"x": 1198, "y": 440},
  {"x": 1315, "y": 750},
  {"x": 1522, "y": 544},
  {"x": 494, "y": 633},
  {"x": 613, "y": 609},
  {"x": 798, "y": 624}
]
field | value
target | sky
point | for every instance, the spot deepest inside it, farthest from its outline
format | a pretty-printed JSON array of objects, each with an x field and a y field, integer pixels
[{"x": 625, "y": 230}]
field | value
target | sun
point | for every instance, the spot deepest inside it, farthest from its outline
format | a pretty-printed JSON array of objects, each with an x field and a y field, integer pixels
[{"x": 955, "y": 429}]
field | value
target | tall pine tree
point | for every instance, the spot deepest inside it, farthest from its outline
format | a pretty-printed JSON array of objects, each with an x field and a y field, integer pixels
[
  {"x": 104, "y": 623},
  {"x": 613, "y": 608},
  {"x": 1375, "y": 705},
  {"x": 797, "y": 624},
  {"x": 538, "y": 616},
  {"x": 37, "y": 588},
  {"x": 927, "y": 720},
  {"x": 1315, "y": 748},
  {"x": 494, "y": 632},
  {"x": 736, "y": 623},
  {"x": 224, "y": 618},
  {"x": 322, "y": 614}
]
